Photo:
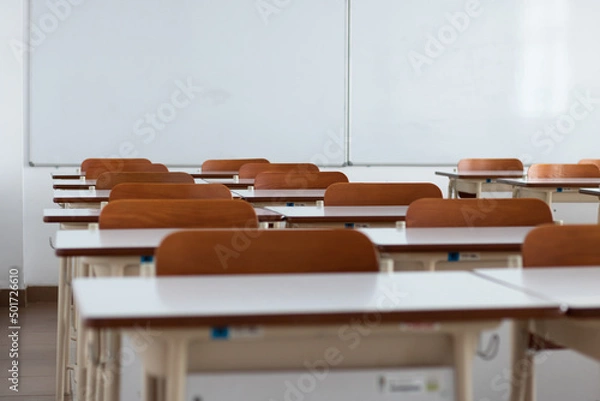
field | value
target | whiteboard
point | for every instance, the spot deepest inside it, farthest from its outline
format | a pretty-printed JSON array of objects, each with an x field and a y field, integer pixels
[
  {"x": 439, "y": 80},
  {"x": 181, "y": 81}
]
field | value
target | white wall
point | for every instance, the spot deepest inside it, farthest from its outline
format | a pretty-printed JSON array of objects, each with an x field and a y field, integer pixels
[{"x": 11, "y": 141}]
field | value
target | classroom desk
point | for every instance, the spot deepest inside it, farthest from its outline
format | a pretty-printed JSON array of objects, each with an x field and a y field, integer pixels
[
  {"x": 476, "y": 182},
  {"x": 448, "y": 247},
  {"x": 89, "y": 198},
  {"x": 576, "y": 288},
  {"x": 341, "y": 216},
  {"x": 82, "y": 217},
  {"x": 214, "y": 174},
  {"x": 86, "y": 184},
  {"x": 73, "y": 174},
  {"x": 281, "y": 197},
  {"x": 297, "y": 317},
  {"x": 231, "y": 183},
  {"x": 86, "y": 198},
  {"x": 551, "y": 189}
]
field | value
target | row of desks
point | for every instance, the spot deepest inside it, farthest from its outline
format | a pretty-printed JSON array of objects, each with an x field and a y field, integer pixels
[{"x": 399, "y": 310}]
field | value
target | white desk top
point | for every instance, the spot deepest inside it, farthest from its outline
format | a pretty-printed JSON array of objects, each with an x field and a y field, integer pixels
[
  {"x": 579, "y": 288},
  {"x": 341, "y": 213},
  {"x": 135, "y": 242},
  {"x": 551, "y": 182},
  {"x": 481, "y": 174},
  {"x": 282, "y": 195},
  {"x": 301, "y": 299},
  {"x": 447, "y": 238},
  {"x": 80, "y": 195}
]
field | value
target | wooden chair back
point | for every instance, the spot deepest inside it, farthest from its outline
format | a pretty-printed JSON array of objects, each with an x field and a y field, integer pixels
[
  {"x": 112, "y": 163},
  {"x": 251, "y": 170},
  {"x": 320, "y": 180},
  {"x": 379, "y": 194},
  {"x": 169, "y": 191},
  {"x": 482, "y": 212},
  {"x": 108, "y": 180},
  {"x": 93, "y": 172},
  {"x": 595, "y": 162},
  {"x": 568, "y": 245},
  {"x": 563, "y": 171},
  {"x": 265, "y": 252},
  {"x": 228, "y": 164},
  {"x": 484, "y": 164},
  {"x": 178, "y": 213}
]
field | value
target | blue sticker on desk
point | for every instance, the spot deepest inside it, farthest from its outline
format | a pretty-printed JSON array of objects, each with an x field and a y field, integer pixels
[
  {"x": 559, "y": 189},
  {"x": 453, "y": 256},
  {"x": 219, "y": 333},
  {"x": 348, "y": 225},
  {"x": 290, "y": 204},
  {"x": 488, "y": 180},
  {"x": 146, "y": 259}
]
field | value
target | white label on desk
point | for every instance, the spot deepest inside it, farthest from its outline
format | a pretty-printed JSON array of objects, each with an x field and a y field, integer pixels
[
  {"x": 237, "y": 332},
  {"x": 463, "y": 256}
]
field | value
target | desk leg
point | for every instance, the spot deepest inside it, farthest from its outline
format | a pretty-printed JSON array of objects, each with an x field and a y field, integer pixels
[
  {"x": 522, "y": 363},
  {"x": 112, "y": 371},
  {"x": 479, "y": 189},
  {"x": 451, "y": 188},
  {"x": 92, "y": 360},
  {"x": 465, "y": 345},
  {"x": 61, "y": 333},
  {"x": 176, "y": 369}
]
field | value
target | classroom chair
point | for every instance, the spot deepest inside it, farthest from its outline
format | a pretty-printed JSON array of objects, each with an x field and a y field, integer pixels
[
  {"x": 112, "y": 163},
  {"x": 550, "y": 246},
  {"x": 291, "y": 180},
  {"x": 563, "y": 171},
  {"x": 251, "y": 170},
  {"x": 108, "y": 180},
  {"x": 228, "y": 164},
  {"x": 484, "y": 164},
  {"x": 378, "y": 194},
  {"x": 169, "y": 191},
  {"x": 477, "y": 212},
  {"x": 178, "y": 213},
  {"x": 153, "y": 213},
  {"x": 595, "y": 162},
  {"x": 93, "y": 172},
  {"x": 226, "y": 252}
]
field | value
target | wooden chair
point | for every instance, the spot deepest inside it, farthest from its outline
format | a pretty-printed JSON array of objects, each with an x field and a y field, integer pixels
[
  {"x": 477, "y": 212},
  {"x": 178, "y": 213},
  {"x": 563, "y": 171},
  {"x": 169, "y": 191},
  {"x": 486, "y": 164},
  {"x": 489, "y": 165},
  {"x": 228, "y": 164},
  {"x": 113, "y": 164},
  {"x": 568, "y": 245},
  {"x": 93, "y": 172},
  {"x": 595, "y": 162},
  {"x": 251, "y": 170},
  {"x": 320, "y": 180},
  {"x": 379, "y": 194},
  {"x": 265, "y": 252},
  {"x": 108, "y": 180},
  {"x": 550, "y": 246}
]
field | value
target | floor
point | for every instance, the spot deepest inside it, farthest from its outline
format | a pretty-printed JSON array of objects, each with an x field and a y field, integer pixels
[{"x": 37, "y": 353}]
